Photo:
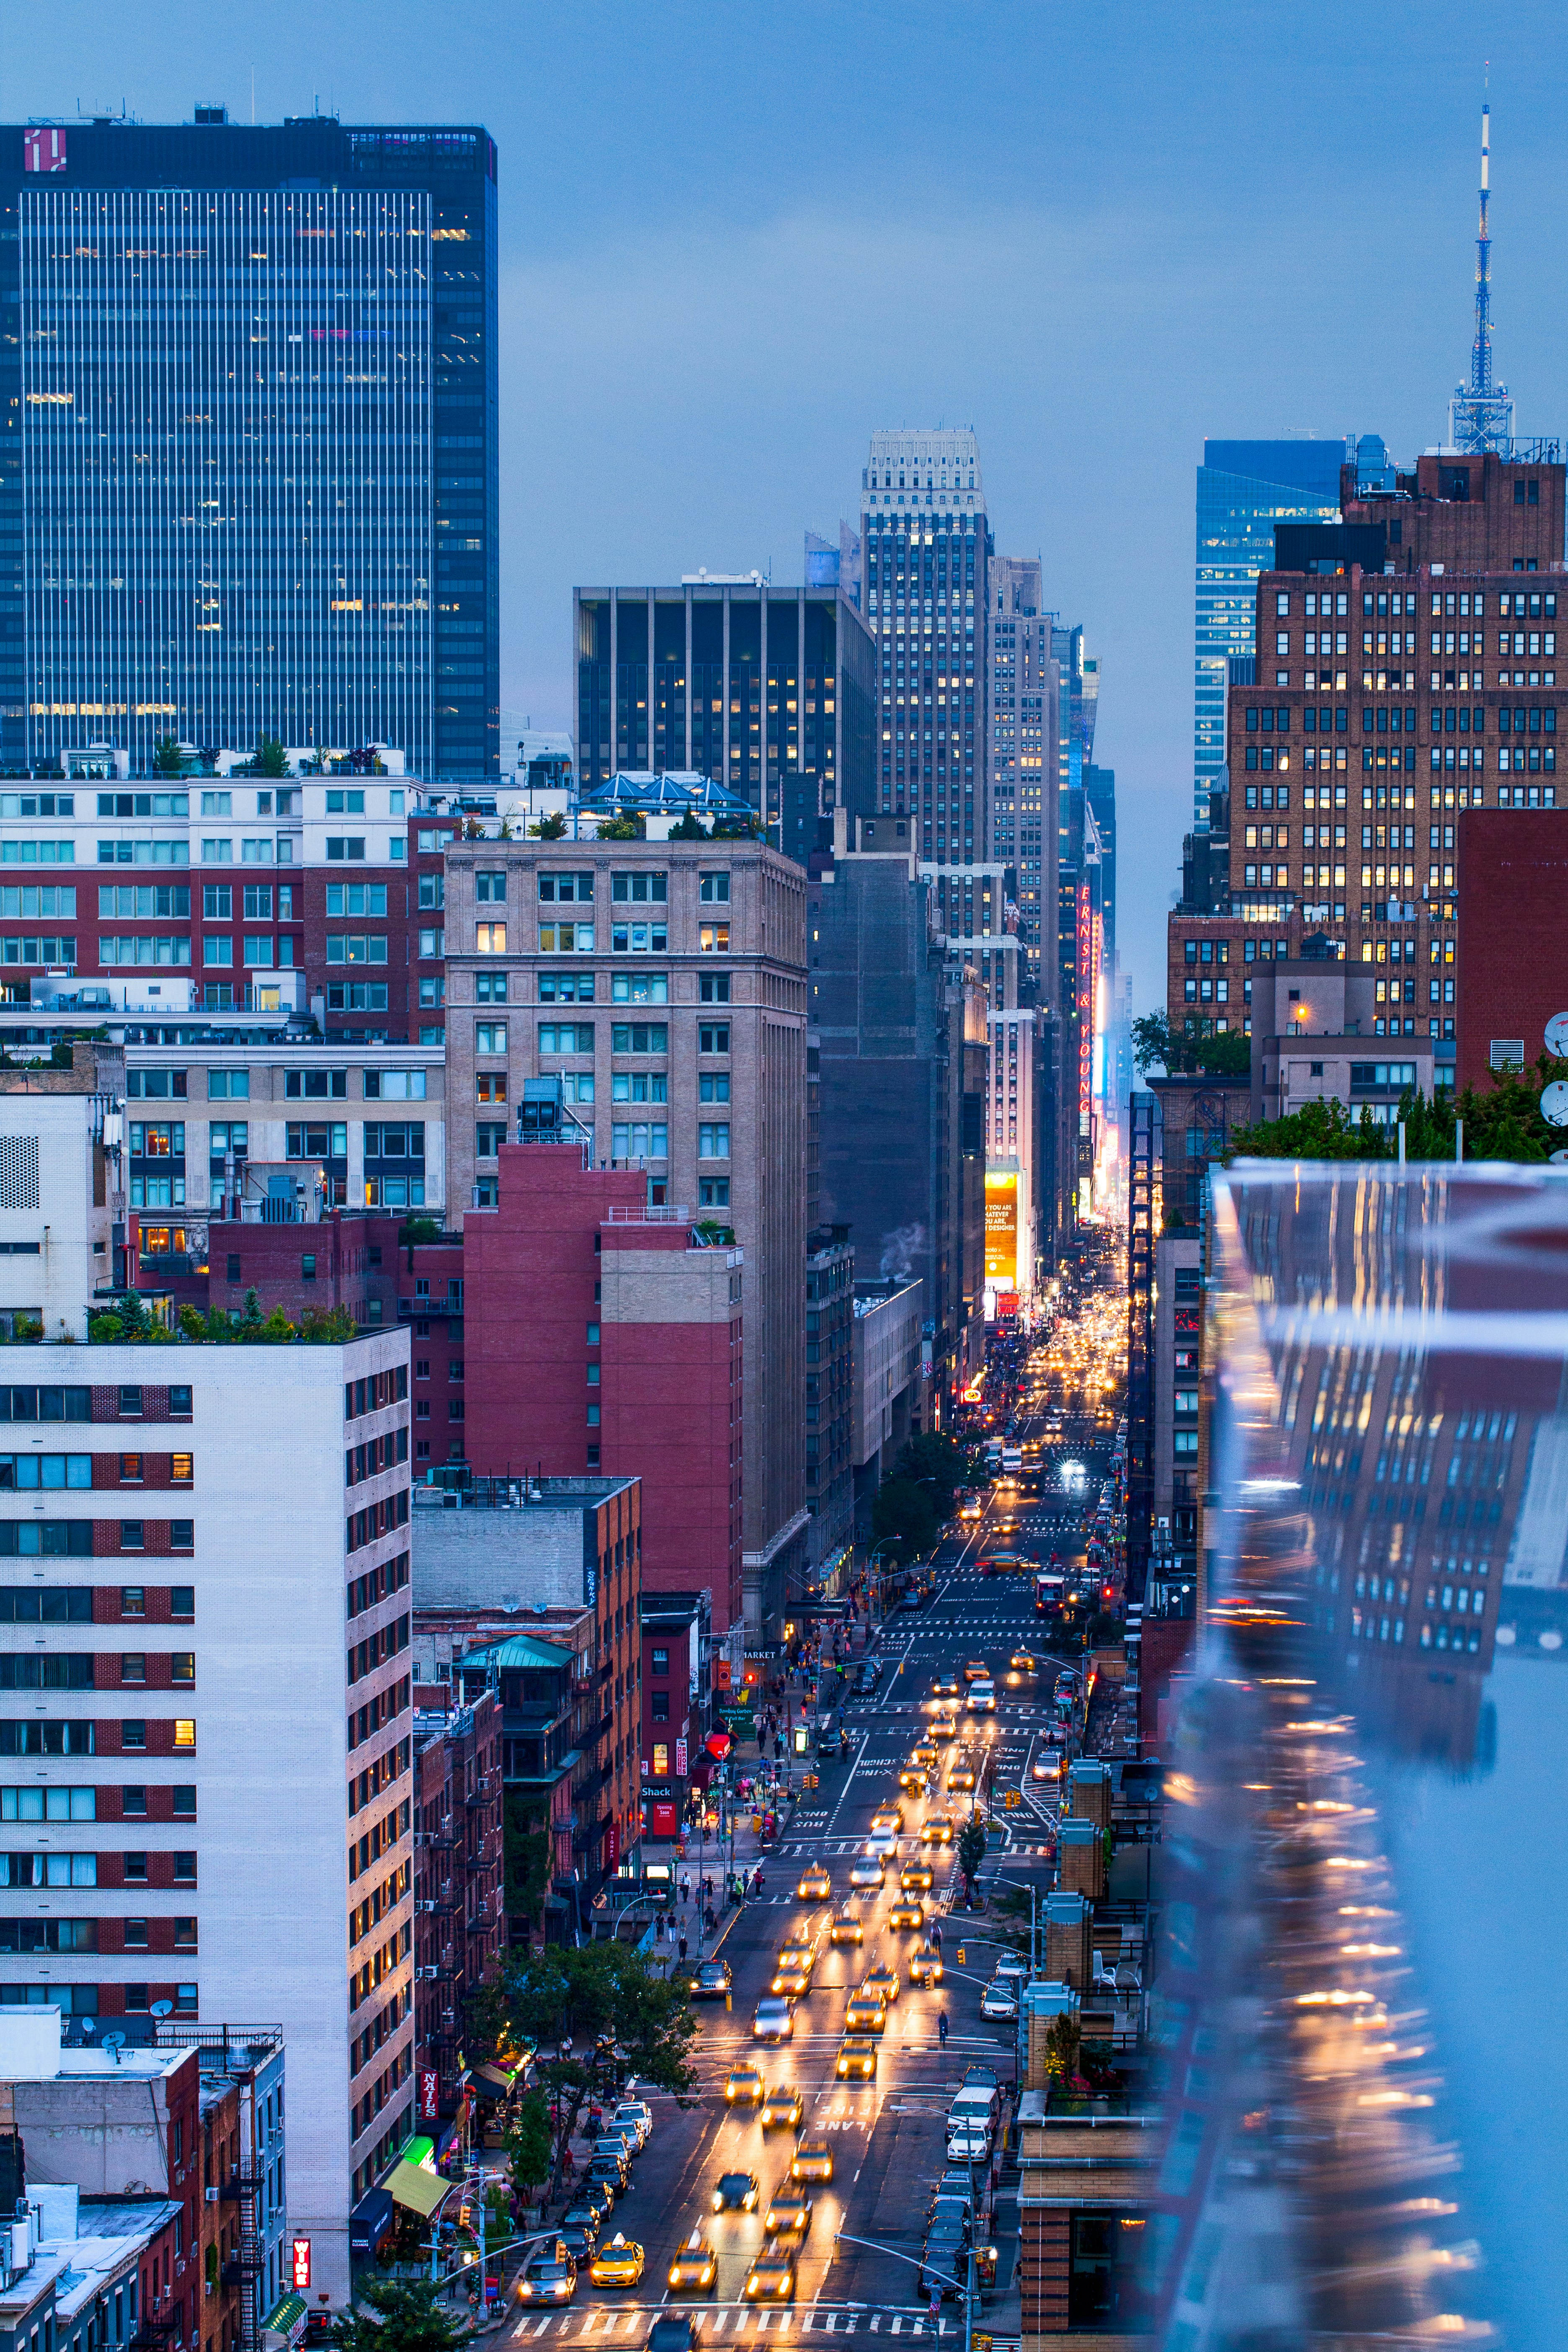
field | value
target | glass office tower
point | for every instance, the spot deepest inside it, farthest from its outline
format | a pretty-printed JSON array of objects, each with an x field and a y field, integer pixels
[
  {"x": 1244, "y": 488},
  {"x": 247, "y": 440}
]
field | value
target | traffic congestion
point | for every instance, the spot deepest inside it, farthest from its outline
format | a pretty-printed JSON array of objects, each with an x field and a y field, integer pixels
[{"x": 849, "y": 2145}]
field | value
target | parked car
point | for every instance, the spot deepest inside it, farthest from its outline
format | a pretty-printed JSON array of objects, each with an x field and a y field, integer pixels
[{"x": 999, "y": 1999}]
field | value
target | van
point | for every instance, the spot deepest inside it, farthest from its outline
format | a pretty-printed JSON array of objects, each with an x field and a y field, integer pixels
[{"x": 978, "y": 2105}]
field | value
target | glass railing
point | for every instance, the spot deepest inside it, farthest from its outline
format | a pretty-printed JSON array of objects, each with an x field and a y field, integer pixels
[{"x": 1360, "y": 2000}]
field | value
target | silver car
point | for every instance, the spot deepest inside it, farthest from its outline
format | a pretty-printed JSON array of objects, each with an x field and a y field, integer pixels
[{"x": 772, "y": 2021}]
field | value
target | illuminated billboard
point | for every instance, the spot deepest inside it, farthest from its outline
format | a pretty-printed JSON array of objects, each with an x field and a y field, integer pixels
[{"x": 1002, "y": 1230}]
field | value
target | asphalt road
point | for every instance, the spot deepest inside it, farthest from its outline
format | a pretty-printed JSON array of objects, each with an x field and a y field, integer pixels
[{"x": 887, "y": 2136}]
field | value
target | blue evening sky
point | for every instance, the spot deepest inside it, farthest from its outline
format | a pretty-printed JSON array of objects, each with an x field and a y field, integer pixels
[{"x": 738, "y": 238}]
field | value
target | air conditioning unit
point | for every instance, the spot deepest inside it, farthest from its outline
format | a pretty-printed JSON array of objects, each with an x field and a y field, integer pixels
[
  {"x": 424, "y": 1906},
  {"x": 428, "y": 1975},
  {"x": 213, "y": 2196}
]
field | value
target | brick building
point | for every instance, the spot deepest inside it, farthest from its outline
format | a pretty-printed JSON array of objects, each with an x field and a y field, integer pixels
[
  {"x": 662, "y": 985},
  {"x": 566, "y": 1553},
  {"x": 1512, "y": 892},
  {"x": 634, "y": 1327},
  {"x": 1354, "y": 748},
  {"x": 458, "y": 1908},
  {"x": 677, "y": 1680}
]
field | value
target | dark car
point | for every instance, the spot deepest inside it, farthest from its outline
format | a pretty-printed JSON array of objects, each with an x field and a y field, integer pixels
[
  {"x": 870, "y": 1674},
  {"x": 710, "y": 1981},
  {"x": 737, "y": 2192},
  {"x": 830, "y": 1740},
  {"x": 674, "y": 2331},
  {"x": 610, "y": 2177},
  {"x": 579, "y": 2241},
  {"x": 586, "y": 2211}
]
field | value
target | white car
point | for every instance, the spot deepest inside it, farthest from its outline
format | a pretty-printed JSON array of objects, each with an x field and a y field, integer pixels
[
  {"x": 636, "y": 2113},
  {"x": 882, "y": 1842},
  {"x": 999, "y": 1999},
  {"x": 1048, "y": 1766},
  {"x": 866, "y": 1870},
  {"x": 772, "y": 2021},
  {"x": 983, "y": 1697}
]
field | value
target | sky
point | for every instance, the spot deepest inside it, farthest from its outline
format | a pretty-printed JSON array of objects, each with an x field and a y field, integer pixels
[{"x": 736, "y": 239}]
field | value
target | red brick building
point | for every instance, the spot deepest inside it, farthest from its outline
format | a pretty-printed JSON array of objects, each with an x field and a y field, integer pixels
[
  {"x": 602, "y": 1338},
  {"x": 1513, "y": 902},
  {"x": 457, "y": 1901},
  {"x": 1357, "y": 747}
]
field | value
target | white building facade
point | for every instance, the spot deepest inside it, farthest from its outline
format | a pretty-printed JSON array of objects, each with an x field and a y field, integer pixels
[{"x": 205, "y": 1609}]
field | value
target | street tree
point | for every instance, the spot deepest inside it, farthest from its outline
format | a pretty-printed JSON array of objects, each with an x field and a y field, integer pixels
[
  {"x": 529, "y": 2145},
  {"x": 970, "y": 1850},
  {"x": 903, "y": 1513},
  {"x": 590, "y": 2016},
  {"x": 401, "y": 2317}
]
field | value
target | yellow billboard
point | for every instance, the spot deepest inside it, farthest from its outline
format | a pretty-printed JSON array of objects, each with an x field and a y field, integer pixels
[{"x": 1002, "y": 1230}]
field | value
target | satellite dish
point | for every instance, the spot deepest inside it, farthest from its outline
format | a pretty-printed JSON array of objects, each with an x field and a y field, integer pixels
[
  {"x": 1559, "y": 1159},
  {"x": 1557, "y": 1035},
  {"x": 166, "y": 2008},
  {"x": 89, "y": 2027},
  {"x": 1554, "y": 1103},
  {"x": 116, "y": 2044}
]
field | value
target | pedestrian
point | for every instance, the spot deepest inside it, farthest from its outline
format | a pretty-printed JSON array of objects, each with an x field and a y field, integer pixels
[
  {"x": 942, "y": 2027},
  {"x": 658, "y": 1927},
  {"x": 936, "y": 1935},
  {"x": 683, "y": 1944},
  {"x": 684, "y": 1887}
]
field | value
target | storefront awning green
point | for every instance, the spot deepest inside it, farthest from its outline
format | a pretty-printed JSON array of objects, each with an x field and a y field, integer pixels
[
  {"x": 412, "y": 2185},
  {"x": 286, "y": 2319}
]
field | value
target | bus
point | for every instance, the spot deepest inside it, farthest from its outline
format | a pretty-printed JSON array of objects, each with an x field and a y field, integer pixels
[{"x": 1048, "y": 1584}]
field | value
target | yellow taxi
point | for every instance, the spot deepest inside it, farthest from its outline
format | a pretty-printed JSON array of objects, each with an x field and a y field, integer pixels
[
  {"x": 788, "y": 2214},
  {"x": 812, "y": 2160},
  {"x": 792, "y": 1975},
  {"x": 1022, "y": 1662},
  {"x": 924, "y": 1965},
  {"x": 744, "y": 2086},
  {"x": 619, "y": 2263},
  {"x": 909, "y": 1913},
  {"x": 936, "y": 1830},
  {"x": 884, "y": 1982},
  {"x": 695, "y": 2270},
  {"x": 865, "y": 2013},
  {"x": 771, "y": 2278},
  {"x": 847, "y": 1927},
  {"x": 915, "y": 1878},
  {"x": 912, "y": 1780},
  {"x": 976, "y": 1670},
  {"x": 944, "y": 1729},
  {"x": 783, "y": 2107},
  {"x": 958, "y": 1777},
  {"x": 815, "y": 1885},
  {"x": 923, "y": 1757},
  {"x": 888, "y": 1818},
  {"x": 856, "y": 2062}
]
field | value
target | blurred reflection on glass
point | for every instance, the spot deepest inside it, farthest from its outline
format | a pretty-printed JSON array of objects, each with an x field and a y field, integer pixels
[{"x": 1364, "y": 1972}]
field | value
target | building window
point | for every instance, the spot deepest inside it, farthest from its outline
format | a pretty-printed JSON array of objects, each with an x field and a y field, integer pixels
[
  {"x": 713, "y": 1140},
  {"x": 490, "y": 938}
]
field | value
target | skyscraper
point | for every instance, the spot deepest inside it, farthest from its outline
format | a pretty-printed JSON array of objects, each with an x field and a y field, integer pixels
[
  {"x": 247, "y": 439},
  {"x": 926, "y": 549},
  {"x": 1244, "y": 488},
  {"x": 1025, "y": 698}
]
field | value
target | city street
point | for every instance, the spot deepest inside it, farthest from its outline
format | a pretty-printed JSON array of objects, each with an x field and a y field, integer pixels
[{"x": 886, "y": 2136}]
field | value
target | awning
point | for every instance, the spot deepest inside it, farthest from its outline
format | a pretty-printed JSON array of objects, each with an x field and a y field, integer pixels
[
  {"x": 498, "y": 2078},
  {"x": 285, "y": 2323},
  {"x": 412, "y": 2185},
  {"x": 369, "y": 2221}
]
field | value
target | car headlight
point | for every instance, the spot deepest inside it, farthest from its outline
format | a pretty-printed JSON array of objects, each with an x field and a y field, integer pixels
[{"x": 717, "y": 2202}]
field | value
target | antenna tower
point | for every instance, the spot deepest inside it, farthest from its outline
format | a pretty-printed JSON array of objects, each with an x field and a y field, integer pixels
[{"x": 1480, "y": 415}]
